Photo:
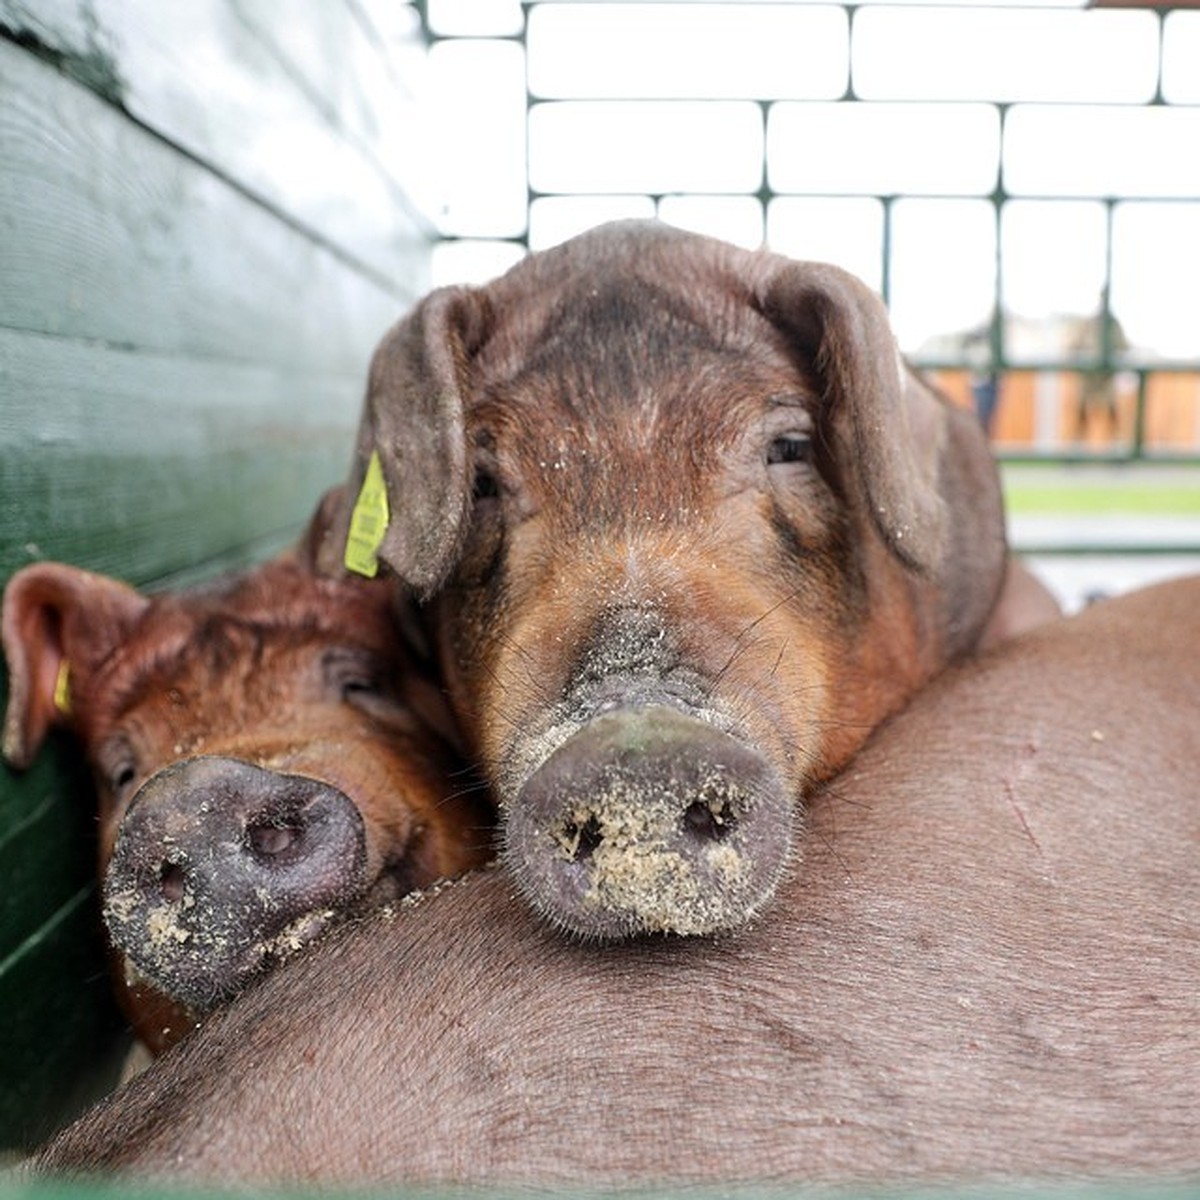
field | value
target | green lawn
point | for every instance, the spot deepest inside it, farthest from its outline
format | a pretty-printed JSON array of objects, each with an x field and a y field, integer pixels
[{"x": 1088, "y": 491}]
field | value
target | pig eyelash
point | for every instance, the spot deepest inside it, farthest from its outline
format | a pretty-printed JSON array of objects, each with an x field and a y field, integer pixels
[
  {"x": 790, "y": 448},
  {"x": 354, "y": 685},
  {"x": 353, "y": 676},
  {"x": 375, "y": 701},
  {"x": 360, "y": 692}
]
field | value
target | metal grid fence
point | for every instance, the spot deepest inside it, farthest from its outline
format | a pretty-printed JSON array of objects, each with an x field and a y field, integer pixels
[{"x": 1022, "y": 184}]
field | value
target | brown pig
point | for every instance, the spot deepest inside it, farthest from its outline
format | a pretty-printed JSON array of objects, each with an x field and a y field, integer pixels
[
  {"x": 696, "y": 530},
  {"x": 988, "y": 968},
  {"x": 265, "y": 757}
]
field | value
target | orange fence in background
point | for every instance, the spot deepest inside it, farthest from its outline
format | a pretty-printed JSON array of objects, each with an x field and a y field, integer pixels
[{"x": 1041, "y": 411}]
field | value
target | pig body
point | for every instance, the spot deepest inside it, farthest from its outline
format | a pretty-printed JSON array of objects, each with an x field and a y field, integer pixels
[
  {"x": 700, "y": 530},
  {"x": 988, "y": 968},
  {"x": 265, "y": 758}
]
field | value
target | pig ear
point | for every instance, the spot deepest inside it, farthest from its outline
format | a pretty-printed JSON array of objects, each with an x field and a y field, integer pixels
[
  {"x": 56, "y": 622},
  {"x": 888, "y": 430},
  {"x": 413, "y": 422},
  {"x": 919, "y": 467},
  {"x": 319, "y": 549}
]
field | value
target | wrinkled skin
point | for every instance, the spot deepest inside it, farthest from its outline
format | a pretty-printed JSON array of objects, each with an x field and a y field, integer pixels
[
  {"x": 265, "y": 759},
  {"x": 988, "y": 968},
  {"x": 699, "y": 530}
]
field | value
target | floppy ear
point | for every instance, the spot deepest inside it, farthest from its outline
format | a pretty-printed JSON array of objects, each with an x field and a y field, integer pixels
[
  {"x": 413, "y": 420},
  {"x": 887, "y": 432},
  {"x": 319, "y": 549},
  {"x": 57, "y": 622},
  {"x": 919, "y": 467}
]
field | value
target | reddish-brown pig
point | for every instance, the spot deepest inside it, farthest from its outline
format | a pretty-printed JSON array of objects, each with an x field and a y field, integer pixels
[
  {"x": 989, "y": 967},
  {"x": 265, "y": 756},
  {"x": 697, "y": 530}
]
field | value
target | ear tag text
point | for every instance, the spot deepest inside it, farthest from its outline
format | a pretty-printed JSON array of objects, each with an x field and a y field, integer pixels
[{"x": 368, "y": 522}]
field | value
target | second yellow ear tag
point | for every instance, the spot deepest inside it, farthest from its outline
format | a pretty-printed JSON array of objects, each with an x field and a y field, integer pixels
[
  {"x": 62, "y": 689},
  {"x": 368, "y": 522}
]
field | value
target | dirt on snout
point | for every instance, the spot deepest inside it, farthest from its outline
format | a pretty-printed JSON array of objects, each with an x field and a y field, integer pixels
[{"x": 641, "y": 857}]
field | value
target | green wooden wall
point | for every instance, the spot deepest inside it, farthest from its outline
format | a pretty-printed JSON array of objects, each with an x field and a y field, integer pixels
[{"x": 206, "y": 222}]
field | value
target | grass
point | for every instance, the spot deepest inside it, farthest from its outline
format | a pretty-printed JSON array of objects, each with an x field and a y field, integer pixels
[{"x": 1092, "y": 491}]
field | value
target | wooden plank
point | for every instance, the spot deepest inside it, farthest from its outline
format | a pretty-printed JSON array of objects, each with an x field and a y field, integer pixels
[
  {"x": 47, "y": 848},
  {"x": 200, "y": 76},
  {"x": 366, "y": 82},
  {"x": 111, "y": 235},
  {"x": 60, "y": 1033},
  {"x": 139, "y": 465},
  {"x": 372, "y": 80},
  {"x": 61, "y": 1040}
]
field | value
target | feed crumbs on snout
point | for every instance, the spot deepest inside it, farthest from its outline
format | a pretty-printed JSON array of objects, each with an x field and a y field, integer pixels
[
  {"x": 633, "y": 867},
  {"x": 726, "y": 861},
  {"x": 120, "y": 907},
  {"x": 163, "y": 928}
]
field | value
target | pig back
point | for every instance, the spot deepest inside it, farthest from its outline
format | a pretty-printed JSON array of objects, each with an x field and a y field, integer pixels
[{"x": 987, "y": 967}]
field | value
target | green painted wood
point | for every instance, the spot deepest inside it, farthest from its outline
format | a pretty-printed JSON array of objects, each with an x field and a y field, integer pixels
[
  {"x": 64, "y": 1049},
  {"x": 138, "y": 465},
  {"x": 46, "y": 851},
  {"x": 109, "y": 234},
  {"x": 61, "y": 1040},
  {"x": 203, "y": 77},
  {"x": 367, "y": 83}
]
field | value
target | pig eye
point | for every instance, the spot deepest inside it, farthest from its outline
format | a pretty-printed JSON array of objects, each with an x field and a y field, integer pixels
[
  {"x": 366, "y": 683},
  {"x": 486, "y": 487},
  {"x": 354, "y": 677},
  {"x": 354, "y": 685},
  {"x": 118, "y": 766},
  {"x": 790, "y": 448},
  {"x": 486, "y": 528},
  {"x": 353, "y": 689},
  {"x": 124, "y": 777}
]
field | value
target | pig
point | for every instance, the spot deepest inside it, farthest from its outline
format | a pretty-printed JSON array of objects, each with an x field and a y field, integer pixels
[
  {"x": 989, "y": 968},
  {"x": 688, "y": 528},
  {"x": 266, "y": 756},
  {"x": 1025, "y": 602}
]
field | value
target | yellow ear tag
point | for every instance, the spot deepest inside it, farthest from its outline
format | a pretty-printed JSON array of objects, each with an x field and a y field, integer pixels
[
  {"x": 368, "y": 522},
  {"x": 62, "y": 689}
]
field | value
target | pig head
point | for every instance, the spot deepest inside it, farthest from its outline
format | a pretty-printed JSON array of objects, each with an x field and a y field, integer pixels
[
  {"x": 265, "y": 756},
  {"x": 691, "y": 529}
]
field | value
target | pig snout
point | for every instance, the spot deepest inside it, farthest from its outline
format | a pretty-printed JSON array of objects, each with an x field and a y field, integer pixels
[
  {"x": 221, "y": 866},
  {"x": 647, "y": 819}
]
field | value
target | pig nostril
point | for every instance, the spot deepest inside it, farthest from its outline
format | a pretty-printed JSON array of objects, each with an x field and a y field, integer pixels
[
  {"x": 583, "y": 839},
  {"x": 171, "y": 881},
  {"x": 705, "y": 822},
  {"x": 269, "y": 841}
]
